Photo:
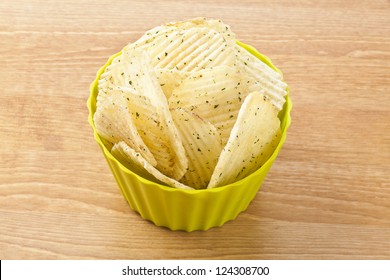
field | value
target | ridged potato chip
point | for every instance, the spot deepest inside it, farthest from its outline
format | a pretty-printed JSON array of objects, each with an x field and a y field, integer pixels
[
  {"x": 215, "y": 94},
  {"x": 136, "y": 162},
  {"x": 215, "y": 24},
  {"x": 189, "y": 46},
  {"x": 253, "y": 139},
  {"x": 114, "y": 123},
  {"x": 202, "y": 144},
  {"x": 262, "y": 78},
  {"x": 169, "y": 79}
]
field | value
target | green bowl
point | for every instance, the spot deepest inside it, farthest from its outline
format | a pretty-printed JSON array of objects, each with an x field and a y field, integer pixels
[{"x": 187, "y": 210}]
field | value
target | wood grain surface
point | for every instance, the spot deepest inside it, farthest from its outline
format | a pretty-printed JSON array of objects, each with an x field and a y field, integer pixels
[{"x": 326, "y": 197}]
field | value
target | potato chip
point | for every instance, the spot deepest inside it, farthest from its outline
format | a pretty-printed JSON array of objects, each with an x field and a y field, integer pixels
[
  {"x": 169, "y": 79},
  {"x": 114, "y": 123},
  {"x": 202, "y": 144},
  {"x": 112, "y": 77},
  {"x": 150, "y": 36},
  {"x": 139, "y": 165},
  {"x": 188, "y": 46},
  {"x": 215, "y": 24},
  {"x": 261, "y": 77},
  {"x": 150, "y": 125},
  {"x": 193, "y": 49},
  {"x": 253, "y": 139},
  {"x": 215, "y": 94},
  {"x": 149, "y": 110}
]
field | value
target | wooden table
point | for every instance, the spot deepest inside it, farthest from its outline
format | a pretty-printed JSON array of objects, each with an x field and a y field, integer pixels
[{"x": 326, "y": 197}]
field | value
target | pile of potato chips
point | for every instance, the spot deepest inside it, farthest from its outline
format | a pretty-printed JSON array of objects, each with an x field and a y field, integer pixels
[{"x": 188, "y": 107}]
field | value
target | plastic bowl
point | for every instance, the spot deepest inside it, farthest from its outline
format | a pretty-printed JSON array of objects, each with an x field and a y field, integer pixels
[{"x": 187, "y": 210}]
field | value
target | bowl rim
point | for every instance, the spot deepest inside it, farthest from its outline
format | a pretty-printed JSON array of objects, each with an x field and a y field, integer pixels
[{"x": 285, "y": 124}]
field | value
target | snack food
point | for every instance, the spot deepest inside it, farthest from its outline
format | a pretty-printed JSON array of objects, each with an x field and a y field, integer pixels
[
  {"x": 183, "y": 76},
  {"x": 252, "y": 140},
  {"x": 199, "y": 128}
]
